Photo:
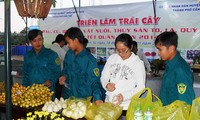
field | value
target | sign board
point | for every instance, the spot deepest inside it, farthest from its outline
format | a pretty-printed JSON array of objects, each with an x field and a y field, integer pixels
[{"x": 102, "y": 24}]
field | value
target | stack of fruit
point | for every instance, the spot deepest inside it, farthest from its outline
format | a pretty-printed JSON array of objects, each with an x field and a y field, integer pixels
[
  {"x": 42, "y": 115},
  {"x": 31, "y": 96},
  {"x": 54, "y": 106},
  {"x": 2, "y": 98},
  {"x": 76, "y": 108},
  {"x": 2, "y": 93},
  {"x": 2, "y": 87},
  {"x": 17, "y": 91},
  {"x": 35, "y": 95}
]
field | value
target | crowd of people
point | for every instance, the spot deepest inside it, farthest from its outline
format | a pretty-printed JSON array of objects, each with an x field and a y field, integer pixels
[{"x": 123, "y": 75}]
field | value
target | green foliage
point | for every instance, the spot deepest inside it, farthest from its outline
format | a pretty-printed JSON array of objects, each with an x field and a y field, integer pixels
[
  {"x": 16, "y": 38},
  {"x": 53, "y": 3}
]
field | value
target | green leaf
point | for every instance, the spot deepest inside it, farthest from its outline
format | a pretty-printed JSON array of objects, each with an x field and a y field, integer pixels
[{"x": 53, "y": 2}]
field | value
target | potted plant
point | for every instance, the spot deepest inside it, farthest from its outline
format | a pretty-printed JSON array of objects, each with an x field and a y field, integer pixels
[{"x": 34, "y": 8}]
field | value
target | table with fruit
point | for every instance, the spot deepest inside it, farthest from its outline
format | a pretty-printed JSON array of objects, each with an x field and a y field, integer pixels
[
  {"x": 25, "y": 99},
  {"x": 34, "y": 102}
]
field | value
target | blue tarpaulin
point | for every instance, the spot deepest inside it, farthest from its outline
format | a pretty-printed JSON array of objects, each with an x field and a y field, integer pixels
[{"x": 17, "y": 50}]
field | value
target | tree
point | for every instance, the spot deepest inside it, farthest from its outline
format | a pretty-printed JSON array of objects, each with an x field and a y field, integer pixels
[{"x": 16, "y": 38}]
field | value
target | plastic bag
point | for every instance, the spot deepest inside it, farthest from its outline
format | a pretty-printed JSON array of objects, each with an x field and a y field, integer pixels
[
  {"x": 178, "y": 110},
  {"x": 76, "y": 107},
  {"x": 104, "y": 111},
  {"x": 143, "y": 102},
  {"x": 195, "y": 110}
]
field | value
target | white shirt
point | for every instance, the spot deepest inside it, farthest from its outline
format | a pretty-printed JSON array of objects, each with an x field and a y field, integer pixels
[
  {"x": 65, "y": 47},
  {"x": 144, "y": 59},
  {"x": 60, "y": 51},
  {"x": 128, "y": 76}
]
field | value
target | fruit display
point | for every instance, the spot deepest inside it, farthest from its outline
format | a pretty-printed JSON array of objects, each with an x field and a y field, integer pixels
[
  {"x": 17, "y": 91},
  {"x": 2, "y": 87},
  {"x": 76, "y": 108},
  {"x": 71, "y": 108},
  {"x": 30, "y": 96},
  {"x": 2, "y": 93},
  {"x": 54, "y": 106},
  {"x": 2, "y": 98},
  {"x": 42, "y": 115},
  {"x": 35, "y": 95},
  {"x": 104, "y": 111}
]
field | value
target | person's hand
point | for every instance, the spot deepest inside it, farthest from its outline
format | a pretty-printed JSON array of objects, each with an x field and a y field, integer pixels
[
  {"x": 118, "y": 99},
  {"x": 149, "y": 73},
  {"x": 110, "y": 87},
  {"x": 47, "y": 83},
  {"x": 98, "y": 102},
  {"x": 62, "y": 80}
]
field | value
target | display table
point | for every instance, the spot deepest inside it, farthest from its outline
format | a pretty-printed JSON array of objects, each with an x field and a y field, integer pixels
[
  {"x": 20, "y": 113},
  {"x": 154, "y": 83}
]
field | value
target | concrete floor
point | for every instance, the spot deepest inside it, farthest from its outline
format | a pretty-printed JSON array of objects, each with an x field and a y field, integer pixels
[{"x": 17, "y": 62}]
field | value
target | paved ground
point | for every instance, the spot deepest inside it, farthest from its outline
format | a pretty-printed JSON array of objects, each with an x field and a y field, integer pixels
[
  {"x": 17, "y": 57},
  {"x": 14, "y": 57}
]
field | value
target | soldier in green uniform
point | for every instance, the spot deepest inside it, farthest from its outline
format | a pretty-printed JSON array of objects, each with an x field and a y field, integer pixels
[
  {"x": 41, "y": 65},
  {"x": 81, "y": 75},
  {"x": 177, "y": 81}
]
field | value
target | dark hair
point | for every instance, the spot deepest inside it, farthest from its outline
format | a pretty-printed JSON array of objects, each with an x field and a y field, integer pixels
[
  {"x": 59, "y": 38},
  {"x": 75, "y": 32},
  {"x": 134, "y": 43},
  {"x": 85, "y": 42},
  {"x": 125, "y": 38},
  {"x": 167, "y": 39},
  {"x": 34, "y": 33}
]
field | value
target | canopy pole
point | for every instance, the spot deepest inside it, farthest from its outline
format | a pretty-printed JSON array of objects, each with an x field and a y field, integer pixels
[
  {"x": 155, "y": 26},
  {"x": 79, "y": 6},
  {"x": 8, "y": 79},
  {"x": 154, "y": 8},
  {"x": 76, "y": 10}
]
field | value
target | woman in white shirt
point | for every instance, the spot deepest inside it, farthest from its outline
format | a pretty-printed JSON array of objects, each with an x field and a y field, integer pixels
[{"x": 123, "y": 74}]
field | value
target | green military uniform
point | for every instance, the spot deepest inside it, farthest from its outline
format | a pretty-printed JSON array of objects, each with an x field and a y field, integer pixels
[
  {"x": 83, "y": 78},
  {"x": 177, "y": 83},
  {"x": 38, "y": 68}
]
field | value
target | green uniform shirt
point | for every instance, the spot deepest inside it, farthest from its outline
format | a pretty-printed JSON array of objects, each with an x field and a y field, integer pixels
[
  {"x": 177, "y": 83},
  {"x": 82, "y": 75},
  {"x": 38, "y": 68}
]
